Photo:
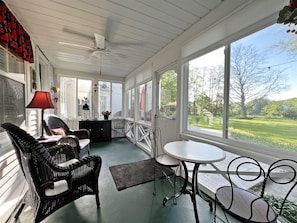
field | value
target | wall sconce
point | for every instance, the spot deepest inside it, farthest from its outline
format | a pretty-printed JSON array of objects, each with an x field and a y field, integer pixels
[
  {"x": 55, "y": 90},
  {"x": 95, "y": 87}
]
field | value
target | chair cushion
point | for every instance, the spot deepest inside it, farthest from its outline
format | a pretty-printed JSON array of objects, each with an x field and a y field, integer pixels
[
  {"x": 59, "y": 131},
  {"x": 167, "y": 160},
  {"x": 241, "y": 205},
  {"x": 68, "y": 162},
  {"x": 58, "y": 188},
  {"x": 83, "y": 143}
]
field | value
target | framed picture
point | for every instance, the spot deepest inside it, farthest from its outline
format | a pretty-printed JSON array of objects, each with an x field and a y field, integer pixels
[{"x": 33, "y": 79}]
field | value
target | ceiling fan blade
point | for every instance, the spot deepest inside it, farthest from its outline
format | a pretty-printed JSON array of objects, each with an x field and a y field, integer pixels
[
  {"x": 107, "y": 55},
  {"x": 127, "y": 43},
  {"x": 76, "y": 45},
  {"x": 65, "y": 29},
  {"x": 111, "y": 26}
]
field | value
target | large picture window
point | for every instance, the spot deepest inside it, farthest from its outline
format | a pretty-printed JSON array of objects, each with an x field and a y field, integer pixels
[
  {"x": 260, "y": 88},
  {"x": 263, "y": 96}
]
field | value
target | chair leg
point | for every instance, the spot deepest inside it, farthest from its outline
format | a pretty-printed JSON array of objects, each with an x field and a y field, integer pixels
[
  {"x": 154, "y": 192},
  {"x": 174, "y": 189},
  {"x": 19, "y": 211},
  {"x": 215, "y": 212},
  {"x": 215, "y": 217},
  {"x": 97, "y": 200}
]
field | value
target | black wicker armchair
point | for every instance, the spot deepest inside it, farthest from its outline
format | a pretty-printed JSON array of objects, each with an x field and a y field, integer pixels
[
  {"x": 53, "y": 174},
  {"x": 80, "y": 137}
]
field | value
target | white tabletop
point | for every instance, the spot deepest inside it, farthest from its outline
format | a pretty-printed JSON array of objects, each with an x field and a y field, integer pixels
[{"x": 195, "y": 152}]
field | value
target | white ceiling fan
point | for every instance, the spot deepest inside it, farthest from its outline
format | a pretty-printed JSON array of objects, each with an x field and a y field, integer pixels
[
  {"x": 101, "y": 44},
  {"x": 99, "y": 49}
]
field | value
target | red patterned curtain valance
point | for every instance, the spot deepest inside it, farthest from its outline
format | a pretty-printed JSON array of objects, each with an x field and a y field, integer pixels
[{"x": 13, "y": 35}]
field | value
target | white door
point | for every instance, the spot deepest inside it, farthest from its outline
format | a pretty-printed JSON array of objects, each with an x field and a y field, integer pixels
[{"x": 166, "y": 122}]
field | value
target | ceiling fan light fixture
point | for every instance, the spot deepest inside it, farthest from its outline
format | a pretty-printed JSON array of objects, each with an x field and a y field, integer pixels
[{"x": 99, "y": 41}]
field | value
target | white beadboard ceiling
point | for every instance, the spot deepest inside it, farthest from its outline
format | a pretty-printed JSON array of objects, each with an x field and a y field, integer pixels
[{"x": 135, "y": 30}]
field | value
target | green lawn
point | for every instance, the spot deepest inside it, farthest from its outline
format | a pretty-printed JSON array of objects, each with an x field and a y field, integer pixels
[{"x": 278, "y": 133}]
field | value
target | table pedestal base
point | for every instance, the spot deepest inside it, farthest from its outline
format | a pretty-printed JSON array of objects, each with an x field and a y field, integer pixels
[{"x": 193, "y": 192}]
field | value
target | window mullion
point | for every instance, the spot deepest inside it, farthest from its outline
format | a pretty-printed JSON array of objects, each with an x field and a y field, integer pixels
[{"x": 226, "y": 91}]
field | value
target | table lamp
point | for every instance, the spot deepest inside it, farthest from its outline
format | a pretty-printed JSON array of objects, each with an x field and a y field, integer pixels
[{"x": 42, "y": 100}]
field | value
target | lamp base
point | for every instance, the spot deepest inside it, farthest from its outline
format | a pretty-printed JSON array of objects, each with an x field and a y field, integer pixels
[{"x": 42, "y": 137}]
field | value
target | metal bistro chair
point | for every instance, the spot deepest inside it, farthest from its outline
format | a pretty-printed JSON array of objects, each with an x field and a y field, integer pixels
[
  {"x": 165, "y": 161},
  {"x": 54, "y": 175},
  {"x": 264, "y": 206}
]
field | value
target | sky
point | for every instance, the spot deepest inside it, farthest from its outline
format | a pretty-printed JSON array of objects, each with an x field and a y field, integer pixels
[{"x": 263, "y": 40}]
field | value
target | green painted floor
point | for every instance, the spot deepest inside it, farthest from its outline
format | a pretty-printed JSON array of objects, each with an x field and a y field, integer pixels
[{"x": 133, "y": 205}]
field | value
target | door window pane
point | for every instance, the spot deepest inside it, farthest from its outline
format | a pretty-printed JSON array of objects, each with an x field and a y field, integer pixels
[
  {"x": 168, "y": 94},
  {"x": 68, "y": 100},
  {"x": 84, "y": 98}
]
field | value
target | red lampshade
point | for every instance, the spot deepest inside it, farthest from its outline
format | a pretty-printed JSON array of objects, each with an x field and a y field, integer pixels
[{"x": 41, "y": 99}]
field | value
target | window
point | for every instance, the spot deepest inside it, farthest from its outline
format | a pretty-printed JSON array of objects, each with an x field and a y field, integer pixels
[
  {"x": 168, "y": 94},
  {"x": 12, "y": 97},
  {"x": 206, "y": 93},
  {"x": 262, "y": 96},
  {"x": 74, "y": 94},
  {"x": 104, "y": 96},
  {"x": 110, "y": 98},
  {"x": 130, "y": 101},
  {"x": 145, "y": 101},
  {"x": 117, "y": 99}
]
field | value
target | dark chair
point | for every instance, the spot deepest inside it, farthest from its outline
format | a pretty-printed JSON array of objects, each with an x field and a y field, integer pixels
[
  {"x": 53, "y": 174},
  {"x": 165, "y": 161},
  {"x": 264, "y": 202},
  {"x": 81, "y": 136}
]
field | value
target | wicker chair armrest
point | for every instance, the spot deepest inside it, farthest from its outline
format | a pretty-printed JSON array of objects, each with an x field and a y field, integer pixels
[
  {"x": 92, "y": 161},
  {"x": 48, "y": 144},
  {"x": 81, "y": 133},
  {"x": 62, "y": 152}
]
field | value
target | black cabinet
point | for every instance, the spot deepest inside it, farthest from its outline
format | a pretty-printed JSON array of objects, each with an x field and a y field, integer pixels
[{"x": 100, "y": 130}]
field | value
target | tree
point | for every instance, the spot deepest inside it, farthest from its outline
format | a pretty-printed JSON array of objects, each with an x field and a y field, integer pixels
[
  {"x": 290, "y": 108},
  {"x": 249, "y": 79},
  {"x": 207, "y": 82},
  {"x": 168, "y": 86},
  {"x": 272, "y": 109},
  {"x": 255, "y": 107}
]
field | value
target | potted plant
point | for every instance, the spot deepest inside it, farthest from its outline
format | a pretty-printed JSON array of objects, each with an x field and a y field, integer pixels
[
  {"x": 106, "y": 114},
  {"x": 288, "y": 15}
]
